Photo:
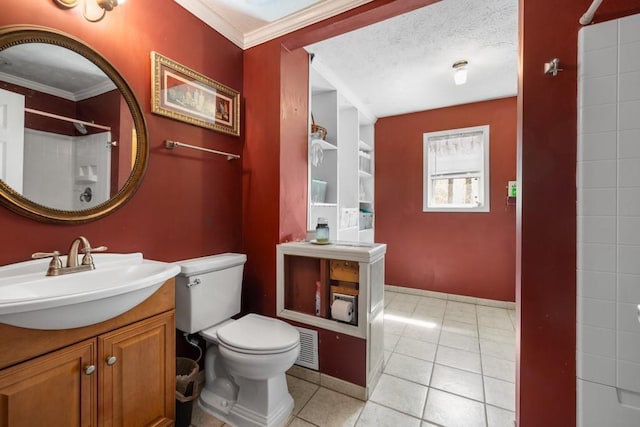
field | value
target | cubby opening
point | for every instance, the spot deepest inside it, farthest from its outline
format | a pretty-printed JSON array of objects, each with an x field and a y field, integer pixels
[{"x": 311, "y": 285}]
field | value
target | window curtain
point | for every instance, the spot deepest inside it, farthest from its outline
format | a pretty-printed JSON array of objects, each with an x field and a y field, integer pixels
[{"x": 456, "y": 153}]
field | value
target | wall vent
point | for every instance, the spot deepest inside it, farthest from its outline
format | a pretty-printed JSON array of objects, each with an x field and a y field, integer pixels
[{"x": 308, "y": 356}]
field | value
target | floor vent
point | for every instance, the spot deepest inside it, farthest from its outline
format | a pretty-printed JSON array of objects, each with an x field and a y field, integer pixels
[{"x": 308, "y": 348}]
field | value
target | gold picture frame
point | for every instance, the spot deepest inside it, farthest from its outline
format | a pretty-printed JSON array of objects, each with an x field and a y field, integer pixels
[{"x": 183, "y": 94}]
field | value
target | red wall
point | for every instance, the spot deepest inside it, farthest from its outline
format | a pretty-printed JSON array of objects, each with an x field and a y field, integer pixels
[
  {"x": 469, "y": 254},
  {"x": 189, "y": 203},
  {"x": 546, "y": 212}
]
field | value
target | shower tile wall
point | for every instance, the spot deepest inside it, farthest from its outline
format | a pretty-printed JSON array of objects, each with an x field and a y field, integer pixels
[
  {"x": 51, "y": 164},
  {"x": 608, "y": 246},
  {"x": 48, "y": 162}
]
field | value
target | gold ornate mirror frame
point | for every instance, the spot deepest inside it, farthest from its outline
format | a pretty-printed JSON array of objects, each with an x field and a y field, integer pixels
[{"x": 16, "y": 35}]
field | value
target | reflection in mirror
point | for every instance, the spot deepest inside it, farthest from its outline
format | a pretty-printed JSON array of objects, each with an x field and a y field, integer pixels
[
  {"x": 72, "y": 127},
  {"x": 73, "y": 119}
]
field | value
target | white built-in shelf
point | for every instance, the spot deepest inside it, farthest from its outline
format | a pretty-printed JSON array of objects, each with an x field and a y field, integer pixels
[
  {"x": 364, "y": 146},
  {"x": 324, "y": 144},
  {"x": 87, "y": 179},
  {"x": 348, "y": 163},
  {"x": 365, "y": 201}
]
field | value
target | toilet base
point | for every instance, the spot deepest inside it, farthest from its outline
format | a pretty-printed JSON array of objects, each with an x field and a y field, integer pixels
[{"x": 238, "y": 415}]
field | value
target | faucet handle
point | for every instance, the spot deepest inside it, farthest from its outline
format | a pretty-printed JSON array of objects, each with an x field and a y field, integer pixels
[
  {"x": 39, "y": 255},
  {"x": 98, "y": 249},
  {"x": 87, "y": 259},
  {"x": 54, "y": 266}
]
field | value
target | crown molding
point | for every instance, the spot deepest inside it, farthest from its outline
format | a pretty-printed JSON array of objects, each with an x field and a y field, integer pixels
[
  {"x": 311, "y": 15},
  {"x": 96, "y": 90},
  {"x": 201, "y": 11},
  {"x": 272, "y": 30}
]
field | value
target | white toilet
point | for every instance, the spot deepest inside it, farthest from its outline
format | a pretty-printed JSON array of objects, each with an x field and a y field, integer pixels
[{"x": 246, "y": 359}]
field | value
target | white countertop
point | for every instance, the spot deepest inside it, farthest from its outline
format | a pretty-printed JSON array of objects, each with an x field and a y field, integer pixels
[{"x": 350, "y": 251}]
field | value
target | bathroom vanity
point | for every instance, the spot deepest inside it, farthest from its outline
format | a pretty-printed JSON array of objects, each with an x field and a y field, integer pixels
[
  {"x": 120, "y": 372},
  {"x": 337, "y": 292}
]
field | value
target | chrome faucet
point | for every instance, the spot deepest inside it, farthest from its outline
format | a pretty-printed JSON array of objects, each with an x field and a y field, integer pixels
[{"x": 73, "y": 266}]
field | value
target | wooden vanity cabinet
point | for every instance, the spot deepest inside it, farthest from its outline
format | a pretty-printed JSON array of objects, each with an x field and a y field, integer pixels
[
  {"x": 121, "y": 373},
  {"x": 133, "y": 390},
  {"x": 50, "y": 390}
]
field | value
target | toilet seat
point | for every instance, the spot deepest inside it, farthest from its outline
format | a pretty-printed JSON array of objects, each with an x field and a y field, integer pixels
[
  {"x": 256, "y": 334},
  {"x": 211, "y": 334}
]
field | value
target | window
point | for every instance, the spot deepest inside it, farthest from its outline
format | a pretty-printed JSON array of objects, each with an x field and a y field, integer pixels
[{"x": 456, "y": 170}]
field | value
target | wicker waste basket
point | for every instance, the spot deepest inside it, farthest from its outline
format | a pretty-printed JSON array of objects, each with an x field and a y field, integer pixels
[{"x": 186, "y": 389}]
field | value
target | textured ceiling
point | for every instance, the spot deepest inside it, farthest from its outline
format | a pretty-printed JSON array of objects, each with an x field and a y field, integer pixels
[
  {"x": 404, "y": 64},
  {"x": 397, "y": 66},
  {"x": 53, "y": 69}
]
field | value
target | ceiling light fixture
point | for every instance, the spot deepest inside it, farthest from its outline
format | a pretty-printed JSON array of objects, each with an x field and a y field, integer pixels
[
  {"x": 105, "y": 5},
  {"x": 460, "y": 72}
]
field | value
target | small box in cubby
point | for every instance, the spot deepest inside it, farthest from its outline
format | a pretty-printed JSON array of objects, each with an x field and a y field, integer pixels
[{"x": 346, "y": 271}]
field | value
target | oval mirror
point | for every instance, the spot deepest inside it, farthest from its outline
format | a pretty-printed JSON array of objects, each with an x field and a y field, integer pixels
[{"x": 73, "y": 138}]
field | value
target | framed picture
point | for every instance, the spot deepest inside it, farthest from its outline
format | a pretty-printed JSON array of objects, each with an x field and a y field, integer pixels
[{"x": 184, "y": 94}]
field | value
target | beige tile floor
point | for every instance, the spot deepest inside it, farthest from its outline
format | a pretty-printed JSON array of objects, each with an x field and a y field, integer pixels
[{"x": 447, "y": 363}]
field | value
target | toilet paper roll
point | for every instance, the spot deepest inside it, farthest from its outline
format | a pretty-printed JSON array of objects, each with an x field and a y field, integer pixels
[{"x": 342, "y": 310}]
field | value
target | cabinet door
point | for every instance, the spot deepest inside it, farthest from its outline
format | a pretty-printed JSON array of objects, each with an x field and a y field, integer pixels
[
  {"x": 57, "y": 389},
  {"x": 137, "y": 374}
]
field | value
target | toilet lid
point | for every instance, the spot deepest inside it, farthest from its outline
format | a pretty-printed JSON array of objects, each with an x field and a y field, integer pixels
[{"x": 258, "y": 334}]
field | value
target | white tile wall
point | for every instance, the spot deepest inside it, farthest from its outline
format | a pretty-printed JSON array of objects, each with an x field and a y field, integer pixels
[
  {"x": 598, "y": 369},
  {"x": 599, "y": 62},
  {"x": 47, "y": 169},
  {"x": 597, "y": 257},
  {"x": 629, "y": 57},
  {"x": 630, "y": 82},
  {"x": 599, "y": 146},
  {"x": 600, "y": 36},
  {"x": 629, "y": 201},
  {"x": 599, "y": 118},
  {"x": 597, "y": 341},
  {"x": 628, "y": 143},
  {"x": 628, "y": 287},
  {"x": 597, "y": 201},
  {"x": 598, "y": 313},
  {"x": 629, "y": 230},
  {"x": 608, "y": 235},
  {"x": 628, "y": 257},
  {"x": 598, "y": 406},
  {"x": 597, "y": 229},
  {"x": 628, "y": 113},
  {"x": 628, "y": 29},
  {"x": 629, "y": 376},
  {"x": 597, "y": 284},
  {"x": 629, "y": 171}
]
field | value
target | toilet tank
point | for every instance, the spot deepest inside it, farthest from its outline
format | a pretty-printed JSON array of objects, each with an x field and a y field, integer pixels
[{"x": 208, "y": 290}]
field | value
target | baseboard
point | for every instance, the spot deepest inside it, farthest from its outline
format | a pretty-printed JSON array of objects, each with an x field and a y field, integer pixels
[
  {"x": 451, "y": 297},
  {"x": 332, "y": 383}
]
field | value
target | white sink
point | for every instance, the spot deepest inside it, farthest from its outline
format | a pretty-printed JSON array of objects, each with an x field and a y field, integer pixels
[{"x": 30, "y": 299}]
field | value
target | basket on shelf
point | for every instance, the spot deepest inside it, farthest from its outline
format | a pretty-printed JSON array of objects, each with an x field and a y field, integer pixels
[{"x": 317, "y": 129}]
